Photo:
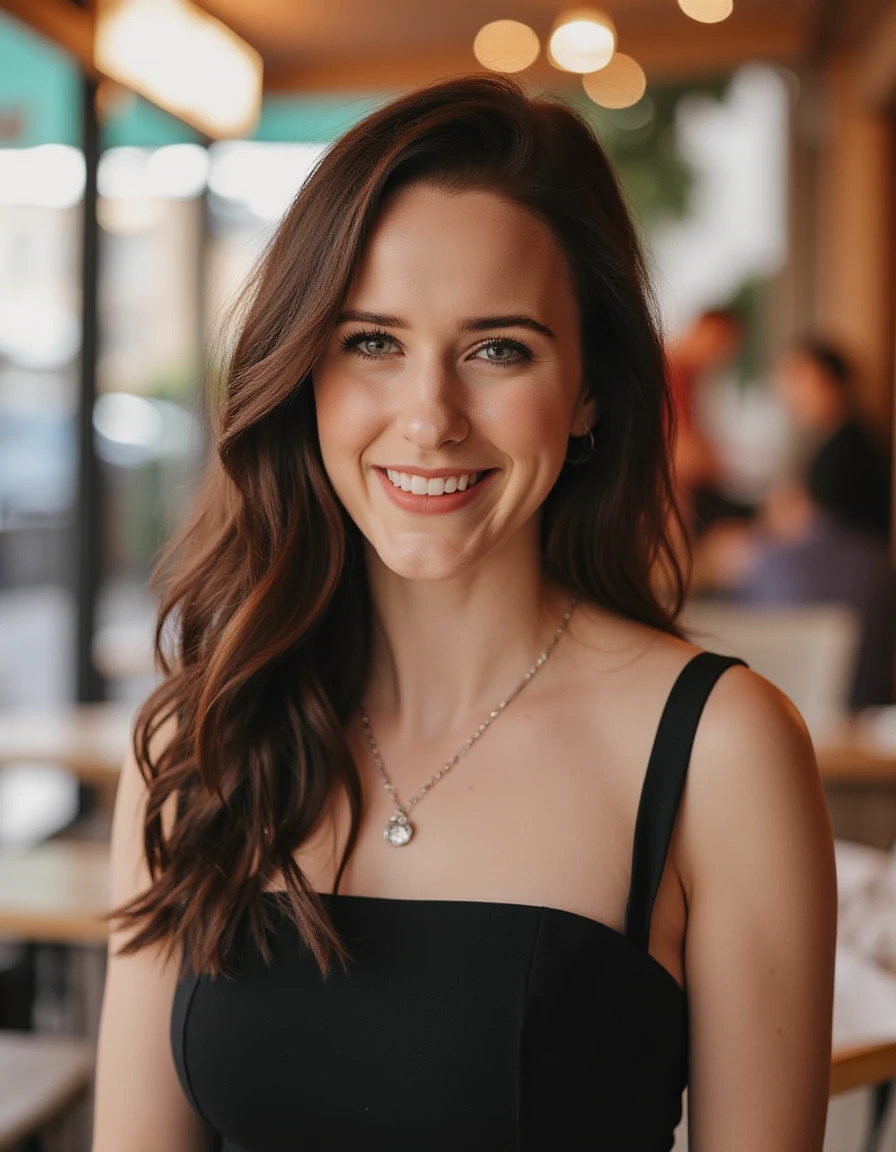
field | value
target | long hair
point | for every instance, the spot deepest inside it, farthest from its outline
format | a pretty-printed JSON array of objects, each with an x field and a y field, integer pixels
[{"x": 266, "y": 593}]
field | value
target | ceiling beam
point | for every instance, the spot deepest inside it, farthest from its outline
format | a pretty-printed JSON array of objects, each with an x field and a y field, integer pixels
[
  {"x": 67, "y": 25},
  {"x": 675, "y": 51},
  {"x": 877, "y": 61}
]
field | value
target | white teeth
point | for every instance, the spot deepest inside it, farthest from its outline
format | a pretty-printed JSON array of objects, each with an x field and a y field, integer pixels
[{"x": 437, "y": 486}]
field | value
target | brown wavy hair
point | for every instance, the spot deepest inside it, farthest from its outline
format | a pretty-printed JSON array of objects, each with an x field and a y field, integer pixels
[{"x": 263, "y": 634}]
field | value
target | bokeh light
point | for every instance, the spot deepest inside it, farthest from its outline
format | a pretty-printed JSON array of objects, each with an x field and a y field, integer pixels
[
  {"x": 620, "y": 85},
  {"x": 583, "y": 40},
  {"x": 707, "y": 11},
  {"x": 506, "y": 46}
]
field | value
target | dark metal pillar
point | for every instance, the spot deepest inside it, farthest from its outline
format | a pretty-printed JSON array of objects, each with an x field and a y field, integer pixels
[{"x": 88, "y": 509}]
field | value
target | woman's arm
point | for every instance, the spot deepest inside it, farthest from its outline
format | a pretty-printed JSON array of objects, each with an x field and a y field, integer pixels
[
  {"x": 139, "y": 1102},
  {"x": 757, "y": 862}
]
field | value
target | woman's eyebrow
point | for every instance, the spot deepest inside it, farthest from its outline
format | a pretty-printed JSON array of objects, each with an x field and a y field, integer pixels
[
  {"x": 481, "y": 323},
  {"x": 378, "y": 318},
  {"x": 473, "y": 324}
]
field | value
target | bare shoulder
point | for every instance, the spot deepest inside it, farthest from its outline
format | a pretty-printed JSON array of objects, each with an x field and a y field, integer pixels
[
  {"x": 751, "y": 735},
  {"x": 605, "y": 642},
  {"x": 743, "y": 708},
  {"x": 753, "y": 784}
]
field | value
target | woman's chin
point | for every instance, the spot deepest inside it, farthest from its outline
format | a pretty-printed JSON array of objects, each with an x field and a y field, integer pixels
[{"x": 432, "y": 560}]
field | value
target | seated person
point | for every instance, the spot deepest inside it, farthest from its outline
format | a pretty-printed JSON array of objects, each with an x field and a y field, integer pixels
[
  {"x": 822, "y": 538},
  {"x": 848, "y": 474}
]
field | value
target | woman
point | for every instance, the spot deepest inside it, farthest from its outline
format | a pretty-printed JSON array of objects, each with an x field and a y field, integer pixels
[{"x": 374, "y": 853}]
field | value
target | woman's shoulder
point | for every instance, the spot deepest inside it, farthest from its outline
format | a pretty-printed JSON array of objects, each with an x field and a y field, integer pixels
[
  {"x": 743, "y": 715},
  {"x": 613, "y": 649},
  {"x": 752, "y": 776}
]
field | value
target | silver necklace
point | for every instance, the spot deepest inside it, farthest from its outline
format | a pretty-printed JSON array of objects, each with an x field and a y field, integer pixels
[{"x": 399, "y": 830}]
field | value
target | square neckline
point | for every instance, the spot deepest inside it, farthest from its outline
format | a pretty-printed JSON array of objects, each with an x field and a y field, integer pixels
[{"x": 461, "y": 903}]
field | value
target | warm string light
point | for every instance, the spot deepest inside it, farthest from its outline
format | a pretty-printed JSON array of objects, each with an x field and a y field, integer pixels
[
  {"x": 184, "y": 60},
  {"x": 582, "y": 40},
  {"x": 707, "y": 11},
  {"x": 620, "y": 84},
  {"x": 506, "y": 46}
]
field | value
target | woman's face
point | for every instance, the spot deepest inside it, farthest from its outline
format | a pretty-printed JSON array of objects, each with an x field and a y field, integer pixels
[{"x": 451, "y": 384}]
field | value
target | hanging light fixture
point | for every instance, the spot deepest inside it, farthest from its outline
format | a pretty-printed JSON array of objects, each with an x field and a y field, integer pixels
[
  {"x": 619, "y": 85},
  {"x": 582, "y": 40},
  {"x": 182, "y": 59},
  {"x": 506, "y": 46},
  {"x": 707, "y": 11}
]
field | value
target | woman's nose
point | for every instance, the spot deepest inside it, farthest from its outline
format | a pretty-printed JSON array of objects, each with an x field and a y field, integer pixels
[{"x": 430, "y": 414}]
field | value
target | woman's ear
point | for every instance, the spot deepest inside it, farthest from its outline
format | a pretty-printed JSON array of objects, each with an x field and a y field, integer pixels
[{"x": 584, "y": 416}]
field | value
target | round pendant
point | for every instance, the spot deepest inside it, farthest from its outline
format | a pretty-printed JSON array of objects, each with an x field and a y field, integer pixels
[{"x": 399, "y": 830}]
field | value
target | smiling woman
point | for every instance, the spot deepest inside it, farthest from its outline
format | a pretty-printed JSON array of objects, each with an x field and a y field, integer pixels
[
  {"x": 433, "y": 564},
  {"x": 447, "y": 374}
]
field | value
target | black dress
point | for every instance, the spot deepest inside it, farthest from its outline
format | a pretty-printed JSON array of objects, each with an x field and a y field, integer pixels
[{"x": 460, "y": 1026}]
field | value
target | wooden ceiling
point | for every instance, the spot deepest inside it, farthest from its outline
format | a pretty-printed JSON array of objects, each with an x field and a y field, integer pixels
[{"x": 321, "y": 45}]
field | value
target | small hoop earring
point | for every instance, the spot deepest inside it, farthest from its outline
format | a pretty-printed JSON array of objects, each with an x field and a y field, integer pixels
[{"x": 585, "y": 456}]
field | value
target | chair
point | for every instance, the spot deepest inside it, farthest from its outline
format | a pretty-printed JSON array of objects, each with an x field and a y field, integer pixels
[
  {"x": 41, "y": 1079},
  {"x": 808, "y": 651}
]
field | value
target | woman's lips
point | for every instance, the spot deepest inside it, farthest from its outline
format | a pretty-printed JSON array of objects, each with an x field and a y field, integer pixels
[{"x": 434, "y": 505}]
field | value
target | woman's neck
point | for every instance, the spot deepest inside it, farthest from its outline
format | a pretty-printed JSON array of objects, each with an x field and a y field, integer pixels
[{"x": 445, "y": 651}]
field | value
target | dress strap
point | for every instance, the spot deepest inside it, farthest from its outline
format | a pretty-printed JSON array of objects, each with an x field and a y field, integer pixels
[{"x": 667, "y": 770}]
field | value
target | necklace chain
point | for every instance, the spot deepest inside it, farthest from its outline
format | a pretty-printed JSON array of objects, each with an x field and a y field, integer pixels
[{"x": 399, "y": 829}]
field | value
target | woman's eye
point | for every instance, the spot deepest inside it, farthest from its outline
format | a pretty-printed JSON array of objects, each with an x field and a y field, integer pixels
[
  {"x": 503, "y": 352},
  {"x": 373, "y": 345}
]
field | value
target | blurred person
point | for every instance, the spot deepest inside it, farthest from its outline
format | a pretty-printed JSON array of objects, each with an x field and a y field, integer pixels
[
  {"x": 848, "y": 474},
  {"x": 368, "y": 898},
  {"x": 706, "y": 348},
  {"x": 821, "y": 536}
]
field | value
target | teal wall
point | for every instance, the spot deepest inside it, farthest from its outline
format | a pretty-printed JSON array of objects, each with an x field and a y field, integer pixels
[
  {"x": 40, "y": 104},
  {"x": 39, "y": 90}
]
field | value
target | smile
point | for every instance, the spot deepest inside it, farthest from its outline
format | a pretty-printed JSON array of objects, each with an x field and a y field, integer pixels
[
  {"x": 433, "y": 485},
  {"x": 431, "y": 495}
]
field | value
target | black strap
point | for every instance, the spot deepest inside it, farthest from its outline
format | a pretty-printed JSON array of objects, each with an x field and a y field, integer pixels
[{"x": 667, "y": 770}]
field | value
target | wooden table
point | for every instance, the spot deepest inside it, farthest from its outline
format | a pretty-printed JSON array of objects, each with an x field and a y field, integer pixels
[
  {"x": 868, "y": 1066},
  {"x": 56, "y": 892},
  {"x": 848, "y": 759},
  {"x": 89, "y": 739},
  {"x": 859, "y": 775},
  {"x": 862, "y": 1066}
]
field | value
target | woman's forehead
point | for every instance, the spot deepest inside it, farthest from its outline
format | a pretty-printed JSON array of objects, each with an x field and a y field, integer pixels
[{"x": 471, "y": 250}]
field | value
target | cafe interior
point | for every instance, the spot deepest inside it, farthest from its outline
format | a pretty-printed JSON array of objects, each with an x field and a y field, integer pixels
[{"x": 148, "y": 149}]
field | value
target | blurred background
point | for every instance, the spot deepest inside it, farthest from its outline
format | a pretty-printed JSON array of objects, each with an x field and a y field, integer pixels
[{"x": 148, "y": 149}]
